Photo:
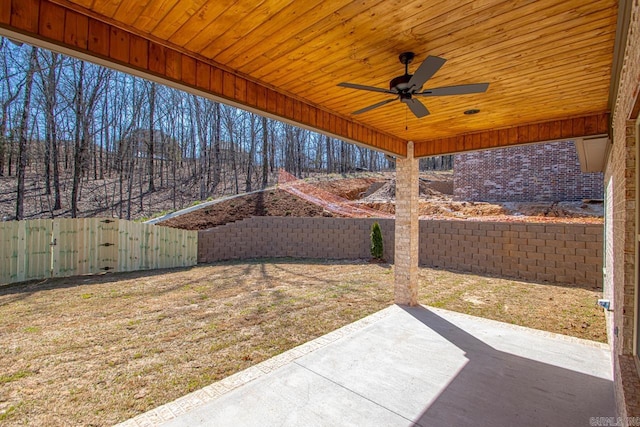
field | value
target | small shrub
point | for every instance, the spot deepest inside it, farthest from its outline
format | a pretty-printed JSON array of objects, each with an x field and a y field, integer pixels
[{"x": 376, "y": 241}]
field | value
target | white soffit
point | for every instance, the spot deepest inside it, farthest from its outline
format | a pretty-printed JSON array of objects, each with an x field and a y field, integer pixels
[{"x": 592, "y": 153}]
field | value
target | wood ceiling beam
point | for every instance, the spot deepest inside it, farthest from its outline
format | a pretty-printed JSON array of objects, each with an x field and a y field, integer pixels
[
  {"x": 45, "y": 23},
  {"x": 568, "y": 128}
]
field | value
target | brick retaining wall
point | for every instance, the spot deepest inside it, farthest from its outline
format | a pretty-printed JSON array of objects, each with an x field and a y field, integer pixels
[{"x": 559, "y": 253}]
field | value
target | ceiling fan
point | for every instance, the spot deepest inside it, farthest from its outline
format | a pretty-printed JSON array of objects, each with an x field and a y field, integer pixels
[{"x": 408, "y": 86}]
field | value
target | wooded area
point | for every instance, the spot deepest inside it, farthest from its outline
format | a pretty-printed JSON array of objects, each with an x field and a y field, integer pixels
[{"x": 66, "y": 123}]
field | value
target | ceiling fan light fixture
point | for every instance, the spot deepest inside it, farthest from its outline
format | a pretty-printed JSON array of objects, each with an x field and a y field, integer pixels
[{"x": 471, "y": 111}]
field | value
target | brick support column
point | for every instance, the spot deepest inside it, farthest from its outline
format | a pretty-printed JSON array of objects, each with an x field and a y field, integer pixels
[{"x": 407, "y": 229}]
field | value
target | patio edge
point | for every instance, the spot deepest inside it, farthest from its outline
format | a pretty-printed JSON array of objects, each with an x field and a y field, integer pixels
[{"x": 184, "y": 404}]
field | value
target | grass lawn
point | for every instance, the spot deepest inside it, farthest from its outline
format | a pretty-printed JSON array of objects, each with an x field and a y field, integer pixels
[{"x": 99, "y": 350}]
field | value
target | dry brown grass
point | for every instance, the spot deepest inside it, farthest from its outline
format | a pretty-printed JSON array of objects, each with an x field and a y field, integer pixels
[{"x": 99, "y": 350}]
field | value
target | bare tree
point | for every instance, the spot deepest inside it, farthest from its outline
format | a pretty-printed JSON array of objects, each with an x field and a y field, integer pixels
[
  {"x": 329, "y": 146},
  {"x": 229, "y": 121},
  {"x": 146, "y": 136},
  {"x": 151, "y": 142},
  {"x": 86, "y": 93},
  {"x": 265, "y": 153},
  {"x": 215, "y": 179},
  {"x": 22, "y": 142},
  {"x": 11, "y": 91},
  {"x": 49, "y": 88},
  {"x": 252, "y": 152}
]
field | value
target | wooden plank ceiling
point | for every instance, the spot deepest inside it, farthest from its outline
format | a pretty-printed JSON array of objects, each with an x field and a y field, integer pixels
[{"x": 548, "y": 62}]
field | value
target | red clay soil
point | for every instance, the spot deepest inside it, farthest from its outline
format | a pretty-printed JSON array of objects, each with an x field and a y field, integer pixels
[
  {"x": 267, "y": 203},
  {"x": 335, "y": 204},
  {"x": 350, "y": 189},
  {"x": 479, "y": 211},
  {"x": 332, "y": 201},
  {"x": 374, "y": 197}
]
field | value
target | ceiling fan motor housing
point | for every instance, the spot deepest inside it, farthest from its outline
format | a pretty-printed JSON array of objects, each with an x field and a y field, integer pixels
[{"x": 400, "y": 83}]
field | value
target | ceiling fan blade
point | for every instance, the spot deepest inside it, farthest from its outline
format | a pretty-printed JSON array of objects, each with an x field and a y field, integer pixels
[
  {"x": 371, "y": 107},
  {"x": 455, "y": 90},
  {"x": 417, "y": 108},
  {"x": 362, "y": 87},
  {"x": 426, "y": 70}
]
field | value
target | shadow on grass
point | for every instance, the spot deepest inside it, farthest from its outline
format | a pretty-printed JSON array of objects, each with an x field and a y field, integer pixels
[
  {"x": 242, "y": 278},
  {"x": 28, "y": 288},
  {"x": 315, "y": 261}
]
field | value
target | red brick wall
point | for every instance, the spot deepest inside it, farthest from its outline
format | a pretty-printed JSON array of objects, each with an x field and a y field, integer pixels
[
  {"x": 620, "y": 176},
  {"x": 566, "y": 254},
  {"x": 537, "y": 172}
]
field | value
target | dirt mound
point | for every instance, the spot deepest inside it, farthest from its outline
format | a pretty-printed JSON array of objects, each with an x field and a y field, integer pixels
[
  {"x": 373, "y": 188},
  {"x": 386, "y": 207},
  {"x": 461, "y": 209},
  {"x": 445, "y": 208},
  {"x": 350, "y": 189},
  {"x": 386, "y": 193},
  {"x": 329, "y": 201},
  {"x": 266, "y": 203},
  {"x": 428, "y": 189},
  {"x": 556, "y": 209},
  {"x": 443, "y": 187},
  {"x": 375, "y": 197}
]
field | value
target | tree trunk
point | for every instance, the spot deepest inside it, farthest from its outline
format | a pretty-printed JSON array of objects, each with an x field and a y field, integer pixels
[
  {"x": 300, "y": 137},
  {"x": 94, "y": 156},
  {"x": 56, "y": 170},
  {"x": 152, "y": 109},
  {"x": 12, "y": 91},
  {"x": 216, "y": 148},
  {"x": 130, "y": 183},
  {"x": 252, "y": 152},
  {"x": 10, "y": 154},
  {"x": 3, "y": 133},
  {"x": 79, "y": 143},
  {"x": 272, "y": 152},
  {"x": 265, "y": 153},
  {"x": 329, "y": 154},
  {"x": 47, "y": 161},
  {"x": 232, "y": 151},
  {"x": 173, "y": 170},
  {"x": 22, "y": 143}
]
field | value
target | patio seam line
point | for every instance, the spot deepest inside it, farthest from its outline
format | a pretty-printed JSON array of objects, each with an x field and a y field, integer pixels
[
  {"x": 357, "y": 394},
  {"x": 171, "y": 410}
]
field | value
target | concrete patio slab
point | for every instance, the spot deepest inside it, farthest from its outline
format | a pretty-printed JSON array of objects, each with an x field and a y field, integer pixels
[{"x": 411, "y": 366}]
